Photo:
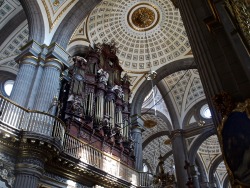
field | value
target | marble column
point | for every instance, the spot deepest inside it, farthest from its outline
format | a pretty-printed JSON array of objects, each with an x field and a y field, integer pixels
[
  {"x": 24, "y": 80},
  {"x": 136, "y": 131},
  {"x": 27, "y": 60},
  {"x": 49, "y": 86},
  {"x": 55, "y": 61},
  {"x": 28, "y": 172},
  {"x": 195, "y": 176},
  {"x": 212, "y": 50},
  {"x": 180, "y": 155},
  {"x": 37, "y": 79}
]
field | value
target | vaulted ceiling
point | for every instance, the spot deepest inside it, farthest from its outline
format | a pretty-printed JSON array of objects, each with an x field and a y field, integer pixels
[{"x": 149, "y": 35}]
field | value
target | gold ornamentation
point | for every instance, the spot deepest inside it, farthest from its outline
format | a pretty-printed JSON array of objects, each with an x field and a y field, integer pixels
[
  {"x": 149, "y": 123},
  {"x": 167, "y": 142},
  {"x": 51, "y": 23},
  {"x": 228, "y": 138},
  {"x": 223, "y": 103},
  {"x": 56, "y": 3},
  {"x": 143, "y": 17},
  {"x": 240, "y": 11}
]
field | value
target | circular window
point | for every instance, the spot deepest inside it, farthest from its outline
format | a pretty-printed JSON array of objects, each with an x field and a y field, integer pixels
[
  {"x": 8, "y": 85},
  {"x": 205, "y": 112}
]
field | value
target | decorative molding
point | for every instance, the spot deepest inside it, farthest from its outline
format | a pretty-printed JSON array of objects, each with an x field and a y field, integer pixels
[
  {"x": 51, "y": 22},
  {"x": 62, "y": 180}
]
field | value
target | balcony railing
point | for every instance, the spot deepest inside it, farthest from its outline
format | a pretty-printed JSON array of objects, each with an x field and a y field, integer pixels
[
  {"x": 92, "y": 156},
  {"x": 20, "y": 118}
]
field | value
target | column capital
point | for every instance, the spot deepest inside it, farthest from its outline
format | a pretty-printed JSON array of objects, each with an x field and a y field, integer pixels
[
  {"x": 137, "y": 123},
  {"x": 176, "y": 133},
  {"x": 55, "y": 51},
  {"x": 32, "y": 49}
]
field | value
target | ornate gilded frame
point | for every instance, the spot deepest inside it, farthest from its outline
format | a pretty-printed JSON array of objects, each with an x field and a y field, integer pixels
[{"x": 243, "y": 110}]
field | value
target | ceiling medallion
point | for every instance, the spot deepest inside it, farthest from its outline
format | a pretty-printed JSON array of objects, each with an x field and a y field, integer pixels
[{"x": 143, "y": 17}]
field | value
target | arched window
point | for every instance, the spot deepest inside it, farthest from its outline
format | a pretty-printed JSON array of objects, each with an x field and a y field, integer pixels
[{"x": 8, "y": 85}]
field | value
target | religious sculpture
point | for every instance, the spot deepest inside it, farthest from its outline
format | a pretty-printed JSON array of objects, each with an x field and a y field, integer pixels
[{"x": 103, "y": 76}]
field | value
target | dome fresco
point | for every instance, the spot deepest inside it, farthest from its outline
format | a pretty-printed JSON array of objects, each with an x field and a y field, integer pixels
[{"x": 140, "y": 28}]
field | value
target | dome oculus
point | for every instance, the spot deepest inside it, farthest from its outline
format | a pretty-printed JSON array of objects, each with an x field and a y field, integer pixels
[{"x": 205, "y": 112}]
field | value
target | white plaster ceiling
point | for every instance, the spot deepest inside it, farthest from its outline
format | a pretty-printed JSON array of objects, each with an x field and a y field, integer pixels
[
  {"x": 8, "y": 10},
  {"x": 167, "y": 41},
  {"x": 209, "y": 150}
]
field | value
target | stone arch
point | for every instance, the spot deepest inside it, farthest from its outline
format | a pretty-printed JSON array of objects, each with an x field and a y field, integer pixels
[
  {"x": 154, "y": 136},
  {"x": 164, "y": 71},
  {"x": 213, "y": 168},
  {"x": 19, "y": 18},
  {"x": 80, "y": 11},
  {"x": 203, "y": 175},
  {"x": 193, "y": 111},
  {"x": 167, "y": 100},
  {"x": 81, "y": 50},
  {"x": 198, "y": 141},
  {"x": 35, "y": 20},
  {"x": 159, "y": 114}
]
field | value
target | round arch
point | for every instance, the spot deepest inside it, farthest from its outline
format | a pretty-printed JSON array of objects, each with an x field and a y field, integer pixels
[
  {"x": 203, "y": 175},
  {"x": 80, "y": 50},
  {"x": 213, "y": 168},
  {"x": 164, "y": 71},
  {"x": 199, "y": 140},
  {"x": 35, "y": 20},
  {"x": 80, "y": 11},
  {"x": 154, "y": 136}
]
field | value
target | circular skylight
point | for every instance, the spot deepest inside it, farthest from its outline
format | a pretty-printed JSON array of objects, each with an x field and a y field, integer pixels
[
  {"x": 8, "y": 85},
  {"x": 205, "y": 112}
]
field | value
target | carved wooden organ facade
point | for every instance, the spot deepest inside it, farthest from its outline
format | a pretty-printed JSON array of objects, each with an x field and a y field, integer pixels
[{"x": 94, "y": 101}]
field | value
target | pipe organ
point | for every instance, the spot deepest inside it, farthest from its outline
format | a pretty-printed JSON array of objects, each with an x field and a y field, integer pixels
[{"x": 95, "y": 98}]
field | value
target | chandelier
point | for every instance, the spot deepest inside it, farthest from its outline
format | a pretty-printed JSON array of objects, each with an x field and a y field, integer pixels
[{"x": 162, "y": 179}]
